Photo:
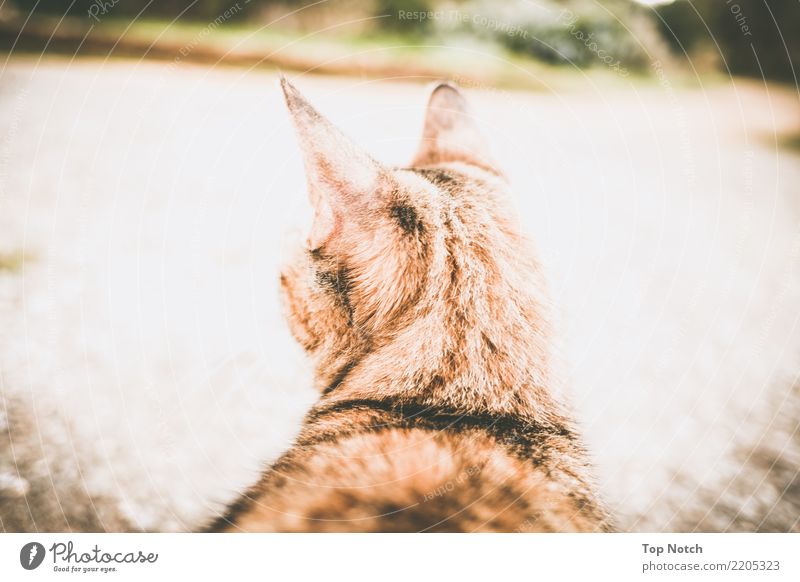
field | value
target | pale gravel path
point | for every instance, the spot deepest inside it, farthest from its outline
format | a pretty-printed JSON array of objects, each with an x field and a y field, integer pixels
[{"x": 147, "y": 374}]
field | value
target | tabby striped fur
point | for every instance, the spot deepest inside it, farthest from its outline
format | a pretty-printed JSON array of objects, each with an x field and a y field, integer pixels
[{"x": 425, "y": 313}]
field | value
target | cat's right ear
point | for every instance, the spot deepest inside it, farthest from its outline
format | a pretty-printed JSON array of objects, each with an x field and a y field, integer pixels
[
  {"x": 344, "y": 183},
  {"x": 450, "y": 133}
]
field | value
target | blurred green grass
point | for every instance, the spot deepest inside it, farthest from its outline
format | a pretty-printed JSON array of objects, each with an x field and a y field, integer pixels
[
  {"x": 503, "y": 43},
  {"x": 374, "y": 53}
]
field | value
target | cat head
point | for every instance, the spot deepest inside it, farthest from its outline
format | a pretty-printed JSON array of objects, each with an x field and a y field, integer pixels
[{"x": 428, "y": 248}]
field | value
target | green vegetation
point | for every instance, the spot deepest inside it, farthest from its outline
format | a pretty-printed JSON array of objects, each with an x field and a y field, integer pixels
[
  {"x": 746, "y": 37},
  {"x": 407, "y": 37}
]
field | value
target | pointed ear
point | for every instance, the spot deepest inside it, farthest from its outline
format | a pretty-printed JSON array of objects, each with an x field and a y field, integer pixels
[
  {"x": 450, "y": 133},
  {"x": 343, "y": 181}
]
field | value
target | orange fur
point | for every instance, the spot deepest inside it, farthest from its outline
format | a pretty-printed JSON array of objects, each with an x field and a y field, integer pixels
[{"x": 426, "y": 315}]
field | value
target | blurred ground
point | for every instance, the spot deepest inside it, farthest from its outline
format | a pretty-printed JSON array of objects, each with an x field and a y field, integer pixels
[{"x": 145, "y": 371}]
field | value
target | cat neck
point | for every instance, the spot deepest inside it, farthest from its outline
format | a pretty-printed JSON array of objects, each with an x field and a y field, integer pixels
[{"x": 460, "y": 358}]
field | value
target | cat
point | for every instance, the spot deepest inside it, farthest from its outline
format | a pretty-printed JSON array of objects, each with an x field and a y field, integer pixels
[{"x": 426, "y": 316}]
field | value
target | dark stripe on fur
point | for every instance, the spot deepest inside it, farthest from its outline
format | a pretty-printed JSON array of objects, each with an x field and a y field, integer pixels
[
  {"x": 340, "y": 376},
  {"x": 442, "y": 178},
  {"x": 522, "y": 436},
  {"x": 407, "y": 218},
  {"x": 337, "y": 282}
]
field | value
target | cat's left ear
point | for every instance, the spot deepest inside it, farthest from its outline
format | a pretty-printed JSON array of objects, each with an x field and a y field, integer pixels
[
  {"x": 344, "y": 183},
  {"x": 450, "y": 133}
]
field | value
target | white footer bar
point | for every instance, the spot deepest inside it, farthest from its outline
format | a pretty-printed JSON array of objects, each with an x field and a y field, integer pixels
[{"x": 407, "y": 558}]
